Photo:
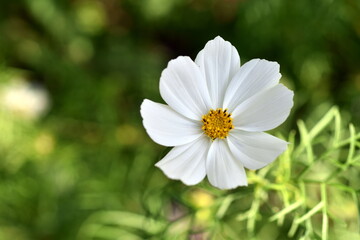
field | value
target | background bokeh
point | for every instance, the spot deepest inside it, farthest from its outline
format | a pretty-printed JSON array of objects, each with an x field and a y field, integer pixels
[{"x": 75, "y": 160}]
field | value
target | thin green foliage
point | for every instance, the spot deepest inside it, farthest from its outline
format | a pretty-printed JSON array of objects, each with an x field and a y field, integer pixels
[{"x": 302, "y": 193}]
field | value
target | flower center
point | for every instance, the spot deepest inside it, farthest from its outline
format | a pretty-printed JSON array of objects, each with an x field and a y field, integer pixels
[{"x": 217, "y": 123}]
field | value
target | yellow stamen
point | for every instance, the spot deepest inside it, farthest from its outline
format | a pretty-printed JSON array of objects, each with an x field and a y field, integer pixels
[{"x": 217, "y": 123}]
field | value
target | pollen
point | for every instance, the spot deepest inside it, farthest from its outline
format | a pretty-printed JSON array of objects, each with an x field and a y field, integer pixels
[{"x": 217, "y": 123}]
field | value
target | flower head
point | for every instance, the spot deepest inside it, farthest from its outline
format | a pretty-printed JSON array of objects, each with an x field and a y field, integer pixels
[
  {"x": 215, "y": 116},
  {"x": 24, "y": 99}
]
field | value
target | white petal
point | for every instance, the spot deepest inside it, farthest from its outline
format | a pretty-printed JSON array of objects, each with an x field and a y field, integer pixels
[
  {"x": 223, "y": 170},
  {"x": 183, "y": 87},
  {"x": 253, "y": 77},
  {"x": 167, "y": 127},
  {"x": 255, "y": 149},
  {"x": 265, "y": 110},
  {"x": 219, "y": 61},
  {"x": 187, "y": 162}
]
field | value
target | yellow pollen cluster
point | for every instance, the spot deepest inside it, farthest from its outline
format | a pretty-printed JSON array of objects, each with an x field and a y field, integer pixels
[{"x": 217, "y": 123}]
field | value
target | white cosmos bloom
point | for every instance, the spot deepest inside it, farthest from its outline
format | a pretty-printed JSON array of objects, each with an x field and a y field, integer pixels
[
  {"x": 216, "y": 114},
  {"x": 24, "y": 99}
]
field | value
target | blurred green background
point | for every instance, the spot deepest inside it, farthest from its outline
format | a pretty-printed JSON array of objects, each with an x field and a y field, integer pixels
[{"x": 75, "y": 161}]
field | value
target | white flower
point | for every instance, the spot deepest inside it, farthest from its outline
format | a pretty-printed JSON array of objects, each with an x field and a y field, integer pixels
[
  {"x": 216, "y": 114},
  {"x": 24, "y": 99}
]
